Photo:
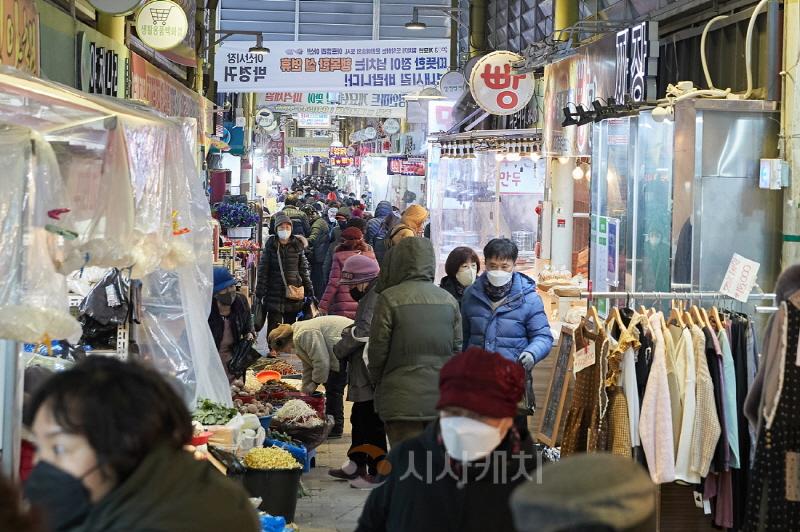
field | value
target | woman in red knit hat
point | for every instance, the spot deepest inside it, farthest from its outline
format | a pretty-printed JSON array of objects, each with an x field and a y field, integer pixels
[
  {"x": 337, "y": 299},
  {"x": 460, "y": 472}
]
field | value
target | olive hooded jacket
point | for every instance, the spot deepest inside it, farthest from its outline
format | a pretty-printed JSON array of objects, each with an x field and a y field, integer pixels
[{"x": 416, "y": 328}]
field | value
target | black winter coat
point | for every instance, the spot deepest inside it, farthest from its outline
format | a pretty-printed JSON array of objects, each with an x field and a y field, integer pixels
[
  {"x": 453, "y": 287},
  {"x": 270, "y": 288},
  {"x": 409, "y": 501},
  {"x": 241, "y": 320}
]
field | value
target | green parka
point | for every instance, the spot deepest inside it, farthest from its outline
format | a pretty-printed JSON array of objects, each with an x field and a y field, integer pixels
[{"x": 416, "y": 328}]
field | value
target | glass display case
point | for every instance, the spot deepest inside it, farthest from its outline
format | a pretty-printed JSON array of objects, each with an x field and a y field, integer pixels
[{"x": 483, "y": 195}]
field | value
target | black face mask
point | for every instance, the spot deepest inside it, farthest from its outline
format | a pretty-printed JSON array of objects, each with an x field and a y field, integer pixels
[
  {"x": 357, "y": 294},
  {"x": 62, "y": 498},
  {"x": 227, "y": 298}
]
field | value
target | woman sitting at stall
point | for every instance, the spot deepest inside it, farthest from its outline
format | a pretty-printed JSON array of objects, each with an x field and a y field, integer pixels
[
  {"x": 110, "y": 439},
  {"x": 337, "y": 299},
  {"x": 462, "y": 268},
  {"x": 230, "y": 319}
]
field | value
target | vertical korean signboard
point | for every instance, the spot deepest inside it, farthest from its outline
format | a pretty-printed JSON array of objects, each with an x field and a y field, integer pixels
[
  {"x": 350, "y": 66},
  {"x": 19, "y": 35}
]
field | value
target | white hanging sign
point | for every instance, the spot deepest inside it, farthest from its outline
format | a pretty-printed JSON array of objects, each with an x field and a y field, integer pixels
[
  {"x": 162, "y": 25},
  {"x": 496, "y": 88},
  {"x": 740, "y": 278},
  {"x": 453, "y": 85},
  {"x": 396, "y": 66}
]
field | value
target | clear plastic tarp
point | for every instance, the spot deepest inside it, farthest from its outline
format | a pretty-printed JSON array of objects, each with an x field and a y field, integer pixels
[
  {"x": 473, "y": 200},
  {"x": 95, "y": 182}
]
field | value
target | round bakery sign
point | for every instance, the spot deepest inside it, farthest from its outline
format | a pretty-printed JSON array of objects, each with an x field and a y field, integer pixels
[
  {"x": 162, "y": 24},
  {"x": 116, "y": 7},
  {"x": 495, "y": 86}
]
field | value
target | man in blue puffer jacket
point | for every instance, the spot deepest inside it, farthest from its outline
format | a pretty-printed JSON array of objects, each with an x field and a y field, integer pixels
[{"x": 501, "y": 311}]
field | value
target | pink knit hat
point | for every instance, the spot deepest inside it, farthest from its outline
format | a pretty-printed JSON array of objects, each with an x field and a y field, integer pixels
[{"x": 359, "y": 269}]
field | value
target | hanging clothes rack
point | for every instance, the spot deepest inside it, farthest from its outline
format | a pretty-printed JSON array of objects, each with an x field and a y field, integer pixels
[{"x": 670, "y": 295}]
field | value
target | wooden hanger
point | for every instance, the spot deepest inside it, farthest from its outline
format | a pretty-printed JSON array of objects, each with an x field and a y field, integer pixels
[
  {"x": 716, "y": 319},
  {"x": 592, "y": 314},
  {"x": 675, "y": 317},
  {"x": 697, "y": 316},
  {"x": 706, "y": 319},
  {"x": 687, "y": 318},
  {"x": 616, "y": 317}
]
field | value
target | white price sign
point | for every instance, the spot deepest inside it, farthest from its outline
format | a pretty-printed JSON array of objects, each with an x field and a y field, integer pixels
[{"x": 740, "y": 278}]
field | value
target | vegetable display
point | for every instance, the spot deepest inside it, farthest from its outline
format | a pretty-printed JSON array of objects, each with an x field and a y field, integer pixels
[
  {"x": 256, "y": 407},
  {"x": 298, "y": 413},
  {"x": 210, "y": 413},
  {"x": 270, "y": 458}
]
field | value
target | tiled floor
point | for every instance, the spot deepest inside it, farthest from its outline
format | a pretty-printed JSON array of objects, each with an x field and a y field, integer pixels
[{"x": 332, "y": 505}]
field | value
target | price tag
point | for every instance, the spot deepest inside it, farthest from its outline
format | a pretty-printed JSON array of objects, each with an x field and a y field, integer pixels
[
  {"x": 740, "y": 278},
  {"x": 584, "y": 358}
]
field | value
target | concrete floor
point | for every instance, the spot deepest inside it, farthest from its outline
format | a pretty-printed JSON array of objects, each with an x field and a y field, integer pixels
[{"x": 332, "y": 505}]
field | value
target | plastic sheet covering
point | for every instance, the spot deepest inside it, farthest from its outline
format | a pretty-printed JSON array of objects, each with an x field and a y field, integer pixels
[
  {"x": 135, "y": 200},
  {"x": 176, "y": 298},
  {"x": 33, "y": 296},
  {"x": 93, "y": 170}
]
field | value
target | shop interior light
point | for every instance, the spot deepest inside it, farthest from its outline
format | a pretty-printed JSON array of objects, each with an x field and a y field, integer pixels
[
  {"x": 577, "y": 173},
  {"x": 563, "y": 160},
  {"x": 499, "y": 156},
  {"x": 535, "y": 156},
  {"x": 470, "y": 151}
]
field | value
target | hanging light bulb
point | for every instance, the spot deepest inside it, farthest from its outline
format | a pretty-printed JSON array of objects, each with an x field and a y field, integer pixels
[
  {"x": 499, "y": 156},
  {"x": 563, "y": 160},
  {"x": 470, "y": 151},
  {"x": 577, "y": 173}
]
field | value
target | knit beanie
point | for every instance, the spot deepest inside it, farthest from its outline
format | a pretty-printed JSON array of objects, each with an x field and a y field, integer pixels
[
  {"x": 280, "y": 219},
  {"x": 483, "y": 382},
  {"x": 352, "y": 233},
  {"x": 359, "y": 269},
  {"x": 357, "y": 212},
  {"x": 587, "y": 491},
  {"x": 415, "y": 215}
]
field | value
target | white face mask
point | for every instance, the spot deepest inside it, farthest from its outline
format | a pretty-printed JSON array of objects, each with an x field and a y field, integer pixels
[
  {"x": 332, "y": 214},
  {"x": 499, "y": 277},
  {"x": 284, "y": 234},
  {"x": 468, "y": 439},
  {"x": 467, "y": 274}
]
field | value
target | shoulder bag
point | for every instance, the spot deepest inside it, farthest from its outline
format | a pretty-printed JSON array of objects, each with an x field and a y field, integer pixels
[{"x": 293, "y": 293}]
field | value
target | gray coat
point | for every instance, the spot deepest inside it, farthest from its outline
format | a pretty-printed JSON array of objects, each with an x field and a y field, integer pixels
[{"x": 351, "y": 347}]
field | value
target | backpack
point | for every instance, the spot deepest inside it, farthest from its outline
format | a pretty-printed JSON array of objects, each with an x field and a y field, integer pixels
[{"x": 379, "y": 245}]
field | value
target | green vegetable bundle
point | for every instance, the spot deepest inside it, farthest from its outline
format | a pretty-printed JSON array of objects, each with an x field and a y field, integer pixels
[{"x": 210, "y": 413}]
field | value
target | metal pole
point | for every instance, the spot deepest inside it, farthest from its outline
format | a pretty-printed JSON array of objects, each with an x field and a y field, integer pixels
[{"x": 773, "y": 51}]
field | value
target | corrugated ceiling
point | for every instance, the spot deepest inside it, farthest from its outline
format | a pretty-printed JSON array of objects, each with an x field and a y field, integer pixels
[{"x": 312, "y": 20}]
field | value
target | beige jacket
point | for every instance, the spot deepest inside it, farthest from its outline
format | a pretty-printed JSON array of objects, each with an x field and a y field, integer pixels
[
  {"x": 314, "y": 341},
  {"x": 706, "y": 422},
  {"x": 655, "y": 422},
  {"x": 686, "y": 370}
]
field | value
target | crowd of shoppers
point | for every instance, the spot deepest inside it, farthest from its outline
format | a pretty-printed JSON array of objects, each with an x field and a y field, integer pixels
[{"x": 433, "y": 372}]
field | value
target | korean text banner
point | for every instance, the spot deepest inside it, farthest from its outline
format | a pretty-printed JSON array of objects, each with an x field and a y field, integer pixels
[{"x": 350, "y": 66}]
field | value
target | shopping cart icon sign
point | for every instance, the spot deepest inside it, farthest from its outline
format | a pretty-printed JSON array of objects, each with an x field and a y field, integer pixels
[{"x": 160, "y": 15}]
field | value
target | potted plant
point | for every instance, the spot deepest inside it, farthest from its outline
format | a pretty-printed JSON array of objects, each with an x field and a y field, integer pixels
[{"x": 237, "y": 219}]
